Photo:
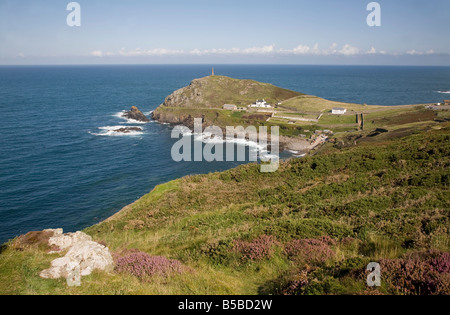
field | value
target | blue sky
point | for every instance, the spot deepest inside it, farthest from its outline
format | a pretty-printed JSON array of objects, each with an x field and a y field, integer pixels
[{"x": 232, "y": 31}]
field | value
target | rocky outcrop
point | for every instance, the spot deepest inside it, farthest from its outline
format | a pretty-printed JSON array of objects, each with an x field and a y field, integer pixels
[
  {"x": 128, "y": 129},
  {"x": 83, "y": 256},
  {"x": 136, "y": 114}
]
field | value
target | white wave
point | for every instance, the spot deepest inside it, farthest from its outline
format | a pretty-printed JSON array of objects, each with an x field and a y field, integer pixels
[
  {"x": 129, "y": 121},
  {"x": 254, "y": 147},
  {"x": 443, "y": 92},
  {"x": 114, "y": 131},
  {"x": 134, "y": 122},
  {"x": 120, "y": 114}
]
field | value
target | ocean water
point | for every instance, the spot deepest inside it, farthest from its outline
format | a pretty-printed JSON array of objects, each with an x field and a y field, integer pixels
[{"x": 62, "y": 166}]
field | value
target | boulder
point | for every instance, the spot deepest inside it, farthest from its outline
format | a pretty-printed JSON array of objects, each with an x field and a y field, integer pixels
[
  {"x": 65, "y": 241},
  {"x": 136, "y": 114},
  {"x": 91, "y": 256},
  {"x": 83, "y": 255}
]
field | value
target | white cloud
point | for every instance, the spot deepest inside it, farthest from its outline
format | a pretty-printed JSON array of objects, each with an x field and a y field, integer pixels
[
  {"x": 300, "y": 50},
  {"x": 348, "y": 50},
  {"x": 235, "y": 51},
  {"x": 97, "y": 53},
  {"x": 372, "y": 51},
  {"x": 149, "y": 52},
  {"x": 259, "y": 50},
  {"x": 420, "y": 53}
]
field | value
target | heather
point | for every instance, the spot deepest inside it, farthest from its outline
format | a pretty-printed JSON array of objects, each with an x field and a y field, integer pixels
[
  {"x": 142, "y": 265},
  {"x": 418, "y": 274},
  {"x": 310, "y": 228},
  {"x": 316, "y": 251},
  {"x": 258, "y": 249}
]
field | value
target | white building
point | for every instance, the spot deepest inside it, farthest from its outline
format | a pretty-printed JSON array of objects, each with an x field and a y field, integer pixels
[
  {"x": 339, "y": 111},
  {"x": 261, "y": 104}
]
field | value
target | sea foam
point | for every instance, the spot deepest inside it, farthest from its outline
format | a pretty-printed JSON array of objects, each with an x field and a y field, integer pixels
[
  {"x": 113, "y": 131},
  {"x": 130, "y": 121}
]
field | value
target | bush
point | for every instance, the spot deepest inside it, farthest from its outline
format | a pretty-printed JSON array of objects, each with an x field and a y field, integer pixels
[
  {"x": 418, "y": 274},
  {"x": 258, "y": 249},
  {"x": 315, "y": 251},
  {"x": 219, "y": 252},
  {"x": 142, "y": 265}
]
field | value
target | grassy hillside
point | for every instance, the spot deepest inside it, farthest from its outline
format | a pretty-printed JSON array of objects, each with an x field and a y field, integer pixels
[
  {"x": 215, "y": 91},
  {"x": 310, "y": 228}
]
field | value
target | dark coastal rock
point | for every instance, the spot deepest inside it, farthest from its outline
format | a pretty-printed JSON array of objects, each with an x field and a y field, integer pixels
[
  {"x": 128, "y": 129},
  {"x": 136, "y": 114}
]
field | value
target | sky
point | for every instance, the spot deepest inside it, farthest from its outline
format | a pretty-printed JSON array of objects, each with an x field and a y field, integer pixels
[{"x": 412, "y": 32}]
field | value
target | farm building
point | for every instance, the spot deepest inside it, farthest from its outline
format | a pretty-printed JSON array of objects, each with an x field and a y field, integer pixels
[
  {"x": 338, "y": 111},
  {"x": 230, "y": 107}
]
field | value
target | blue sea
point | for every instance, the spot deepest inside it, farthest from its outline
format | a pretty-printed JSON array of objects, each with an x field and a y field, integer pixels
[{"x": 61, "y": 166}]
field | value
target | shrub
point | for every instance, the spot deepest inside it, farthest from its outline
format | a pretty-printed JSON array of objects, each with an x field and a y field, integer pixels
[
  {"x": 258, "y": 249},
  {"x": 418, "y": 274},
  {"x": 441, "y": 263},
  {"x": 310, "y": 250},
  {"x": 296, "y": 284},
  {"x": 142, "y": 265},
  {"x": 219, "y": 252}
]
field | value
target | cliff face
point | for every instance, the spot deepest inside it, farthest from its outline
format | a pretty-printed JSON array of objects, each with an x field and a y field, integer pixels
[{"x": 176, "y": 117}]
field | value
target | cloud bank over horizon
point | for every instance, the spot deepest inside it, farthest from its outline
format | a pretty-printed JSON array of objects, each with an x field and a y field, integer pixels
[{"x": 334, "y": 49}]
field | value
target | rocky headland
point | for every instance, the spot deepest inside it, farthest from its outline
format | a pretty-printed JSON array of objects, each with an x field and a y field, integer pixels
[{"x": 205, "y": 97}]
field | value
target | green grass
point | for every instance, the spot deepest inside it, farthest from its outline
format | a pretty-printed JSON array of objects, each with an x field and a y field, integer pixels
[{"x": 338, "y": 119}]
